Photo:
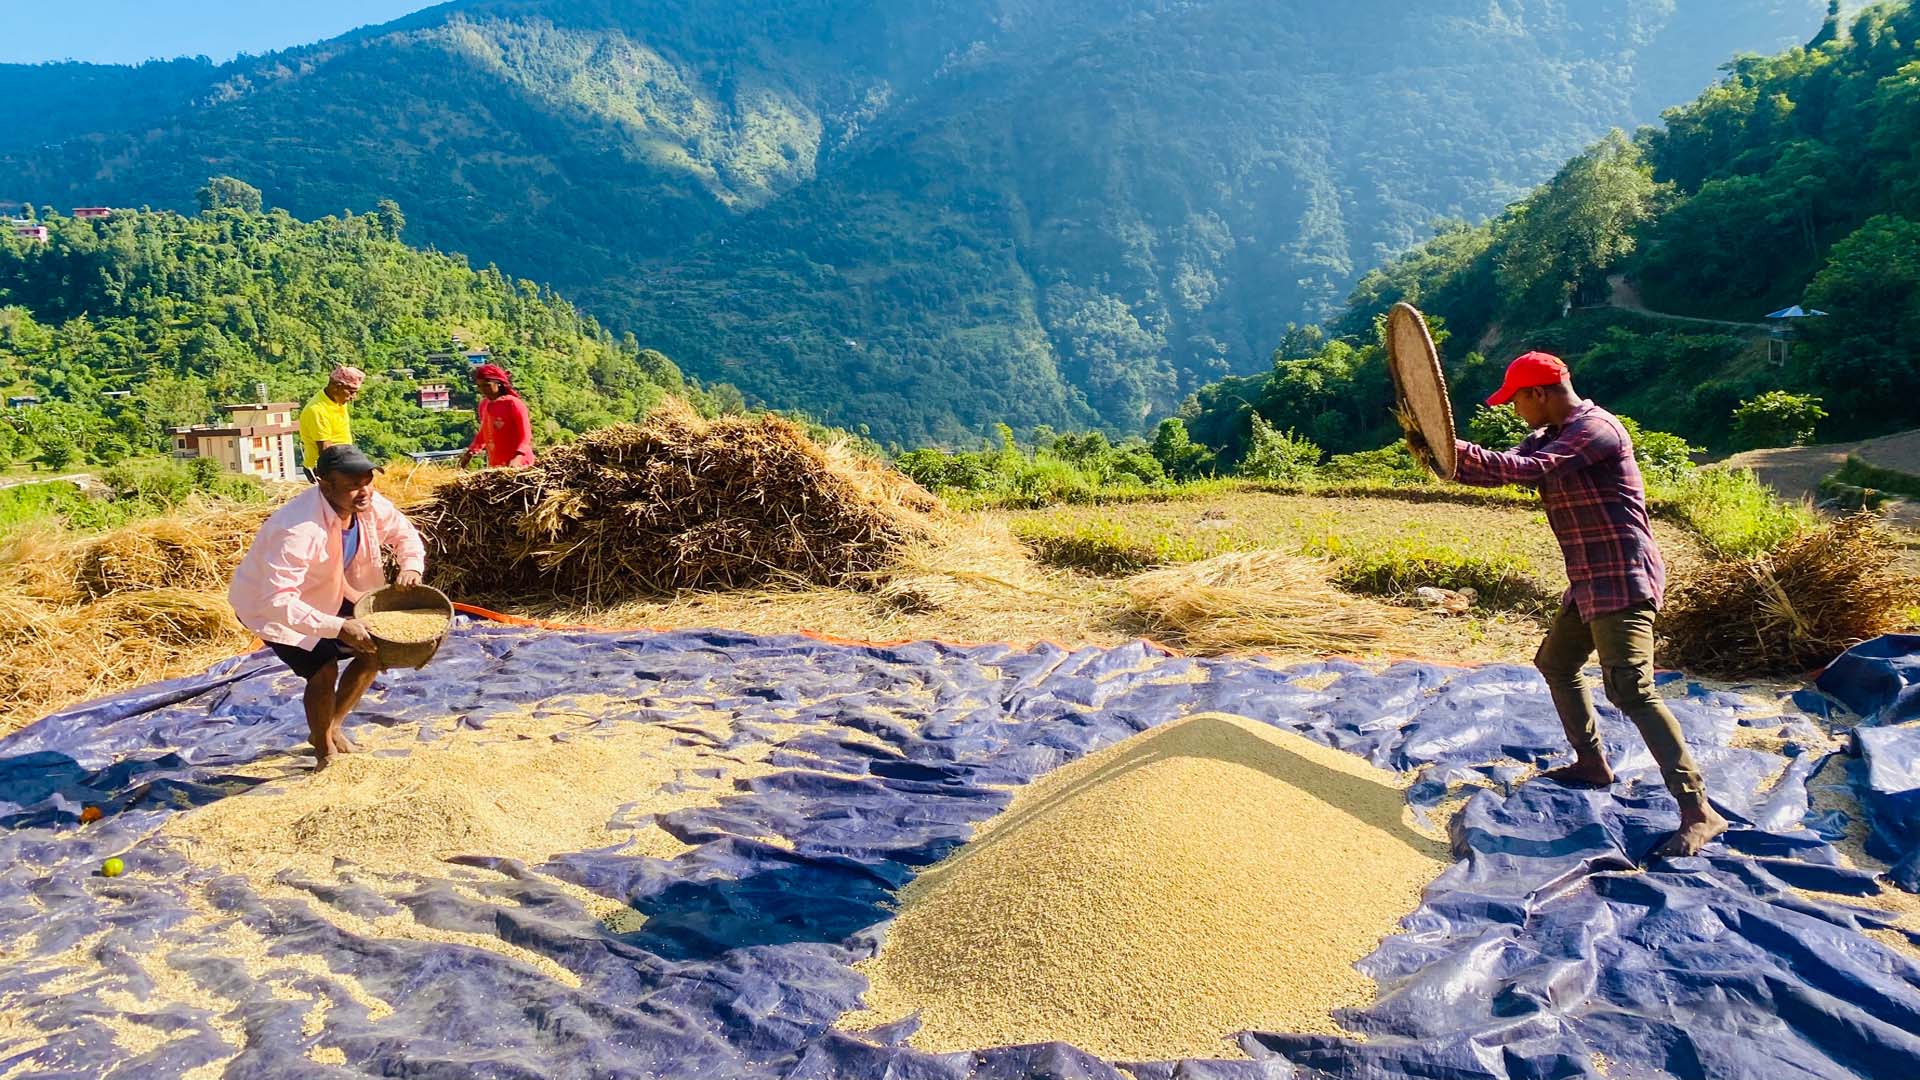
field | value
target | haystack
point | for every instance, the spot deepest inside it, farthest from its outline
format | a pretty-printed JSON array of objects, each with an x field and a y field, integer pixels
[
  {"x": 1790, "y": 611},
  {"x": 678, "y": 502},
  {"x": 195, "y": 547},
  {"x": 1255, "y": 600},
  {"x": 52, "y": 656},
  {"x": 86, "y": 615}
]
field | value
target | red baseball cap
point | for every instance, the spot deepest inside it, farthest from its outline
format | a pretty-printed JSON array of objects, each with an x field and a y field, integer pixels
[{"x": 1529, "y": 369}]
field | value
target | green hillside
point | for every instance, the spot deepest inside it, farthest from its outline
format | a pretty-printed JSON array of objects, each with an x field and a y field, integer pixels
[
  {"x": 191, "y": 312},
  {"x": 1795, "y": 180},
  {"x": 919, "y": 215}
]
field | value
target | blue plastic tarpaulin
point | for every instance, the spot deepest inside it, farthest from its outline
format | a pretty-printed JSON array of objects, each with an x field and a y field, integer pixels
[
  {"x": 1547, "y": 948},
  {"x": 1880, "y": 681}
]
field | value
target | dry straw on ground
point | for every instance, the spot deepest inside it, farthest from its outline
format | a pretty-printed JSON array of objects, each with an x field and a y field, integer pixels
[
  {"x": 1256, "y": 599},
  {"x": 1790, "y": 611},
  {"x": 678, "y": 502},
  {"x": 84, "y": 615},
  {"x": 1209, "y": 876}
]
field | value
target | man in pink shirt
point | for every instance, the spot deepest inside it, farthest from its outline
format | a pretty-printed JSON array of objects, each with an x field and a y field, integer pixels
[
  {"x": 311, "y": 560},
  {"x": 506, "y": 429}
]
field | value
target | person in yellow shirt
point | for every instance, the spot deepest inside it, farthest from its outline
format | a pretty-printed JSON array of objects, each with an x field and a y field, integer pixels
[{"x": 324, "y": 422}]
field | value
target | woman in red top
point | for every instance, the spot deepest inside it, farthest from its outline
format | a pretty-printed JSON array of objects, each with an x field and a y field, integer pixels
[{"x": 506, "y": 430}]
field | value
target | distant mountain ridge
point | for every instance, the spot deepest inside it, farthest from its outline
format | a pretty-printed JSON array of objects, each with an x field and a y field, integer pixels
[{"x": 918, "y": 215}]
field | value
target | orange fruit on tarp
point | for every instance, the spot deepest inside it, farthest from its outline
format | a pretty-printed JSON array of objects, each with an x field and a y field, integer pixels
[{"x": 89, "y": 815}]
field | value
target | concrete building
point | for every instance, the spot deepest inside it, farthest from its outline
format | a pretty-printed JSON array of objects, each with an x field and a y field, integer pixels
[
  {"x": 260, "y": 440},
  {"x": 31, "y": 232},
  {"x": 435, "y": 397},
  {"x": 90, "y": 213}
]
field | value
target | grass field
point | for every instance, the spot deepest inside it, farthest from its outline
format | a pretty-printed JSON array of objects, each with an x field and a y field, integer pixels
[{"x": 983, "y": 583}]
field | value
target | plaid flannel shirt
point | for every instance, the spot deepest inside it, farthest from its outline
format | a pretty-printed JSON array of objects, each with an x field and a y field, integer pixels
[{"x": 1595, "y": 501}]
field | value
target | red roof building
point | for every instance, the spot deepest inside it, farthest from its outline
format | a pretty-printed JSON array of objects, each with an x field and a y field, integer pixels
[{"x": 87, "y": 213}]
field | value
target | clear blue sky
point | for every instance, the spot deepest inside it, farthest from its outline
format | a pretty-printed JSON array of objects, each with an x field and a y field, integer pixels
[{"x": 129, "y": 31}]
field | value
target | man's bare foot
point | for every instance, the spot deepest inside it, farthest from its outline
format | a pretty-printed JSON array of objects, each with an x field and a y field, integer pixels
[
  {"x": 321, "y": 759},
  {"x": 1581, "y": 774},
  {"x": 340, "y": 743},
  {"x": 1698, "y": 828}
]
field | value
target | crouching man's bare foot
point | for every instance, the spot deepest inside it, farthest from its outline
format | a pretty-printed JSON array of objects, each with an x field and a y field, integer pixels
[
  {"x": 1581, "y": 774},
  {"x": 1698, "y": 828}
]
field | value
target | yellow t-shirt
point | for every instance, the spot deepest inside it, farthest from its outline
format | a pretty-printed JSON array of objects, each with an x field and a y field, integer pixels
[{"x": 323, "y": 420}]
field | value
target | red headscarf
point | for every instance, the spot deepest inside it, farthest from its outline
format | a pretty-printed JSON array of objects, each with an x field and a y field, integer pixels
[{"x": 496, "y": 373}]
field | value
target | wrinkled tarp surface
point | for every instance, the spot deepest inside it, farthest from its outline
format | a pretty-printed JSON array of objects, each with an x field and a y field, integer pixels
[
  {"x": 1880, "y": 681},
  {"x": 1544, "y": 951}
]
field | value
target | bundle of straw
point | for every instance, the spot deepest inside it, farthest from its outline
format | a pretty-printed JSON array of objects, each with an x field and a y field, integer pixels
[
  {"x": 1255, "y": 599},
  {"x": 678, "y": 502},
  {"x": 195, "y": 548},
  {"x": 1792, "y": 610},
  {"x": 167, "y": 616},
  {"x": 410, "y": 483},
  {"x": 52, "y": 656}
]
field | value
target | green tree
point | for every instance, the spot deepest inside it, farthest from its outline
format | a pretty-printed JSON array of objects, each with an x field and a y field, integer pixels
[
  {"x": 1660, "y": 454},
  {"x": 1777, "y": 418},
  {"x": 1580, "y": 224},
  {"x": 392, "y": 221},
  {"x": 1178, "y": 454},
  {"x": 57, "y": 450},
  {"x": 227, "y": 193},
  {"x": 1276, "y": 455},
  {"x": 1863, "y": 353},
  {"x": 1497, "y": 428}
]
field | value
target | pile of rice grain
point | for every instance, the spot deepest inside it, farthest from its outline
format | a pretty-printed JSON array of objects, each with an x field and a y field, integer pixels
[
  {"x": 407, "y": 626},
  {"x": 1207, "y": 877}
]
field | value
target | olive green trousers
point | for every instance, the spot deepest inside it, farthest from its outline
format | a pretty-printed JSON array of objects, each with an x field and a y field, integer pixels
[{"x": 1624, "y": 640}]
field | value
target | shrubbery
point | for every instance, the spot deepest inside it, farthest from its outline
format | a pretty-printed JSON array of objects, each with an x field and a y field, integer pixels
[{"x": 1777, "y": 418}]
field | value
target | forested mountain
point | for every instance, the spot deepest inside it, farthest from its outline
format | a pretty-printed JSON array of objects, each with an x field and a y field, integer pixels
[
  {"x": 922, "y": 215},
  {"x": 189, "y": 313},
  {"x": 1794, "y": 180}
]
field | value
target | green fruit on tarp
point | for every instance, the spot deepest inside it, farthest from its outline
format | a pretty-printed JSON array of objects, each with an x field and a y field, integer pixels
[{"x": 113, "y": 868}]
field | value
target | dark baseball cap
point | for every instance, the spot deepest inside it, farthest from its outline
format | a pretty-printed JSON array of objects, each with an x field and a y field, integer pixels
[{"x": 343, "y": 458}]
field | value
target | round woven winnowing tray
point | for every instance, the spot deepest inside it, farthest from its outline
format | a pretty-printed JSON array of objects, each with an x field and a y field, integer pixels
[{"x": 1421, "y": 386}]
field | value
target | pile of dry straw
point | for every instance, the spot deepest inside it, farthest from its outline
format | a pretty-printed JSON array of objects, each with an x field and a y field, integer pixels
[
  {"x": 1255, "y": 600},
  {"x": 677, "y": 502},
  {"x": 82, "y": 616},
  {"x": 1792, "y": 610}
]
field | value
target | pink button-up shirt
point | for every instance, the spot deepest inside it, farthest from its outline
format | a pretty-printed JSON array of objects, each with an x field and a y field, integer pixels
[{"x": 290, "y": 586}]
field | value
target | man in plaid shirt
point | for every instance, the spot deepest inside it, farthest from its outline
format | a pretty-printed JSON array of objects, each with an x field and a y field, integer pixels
[{"x": 1581, "y": 459}]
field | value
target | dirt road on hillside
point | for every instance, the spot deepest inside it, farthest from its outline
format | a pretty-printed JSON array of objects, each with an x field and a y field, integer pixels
[{"x": 1796, "y": 471}]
